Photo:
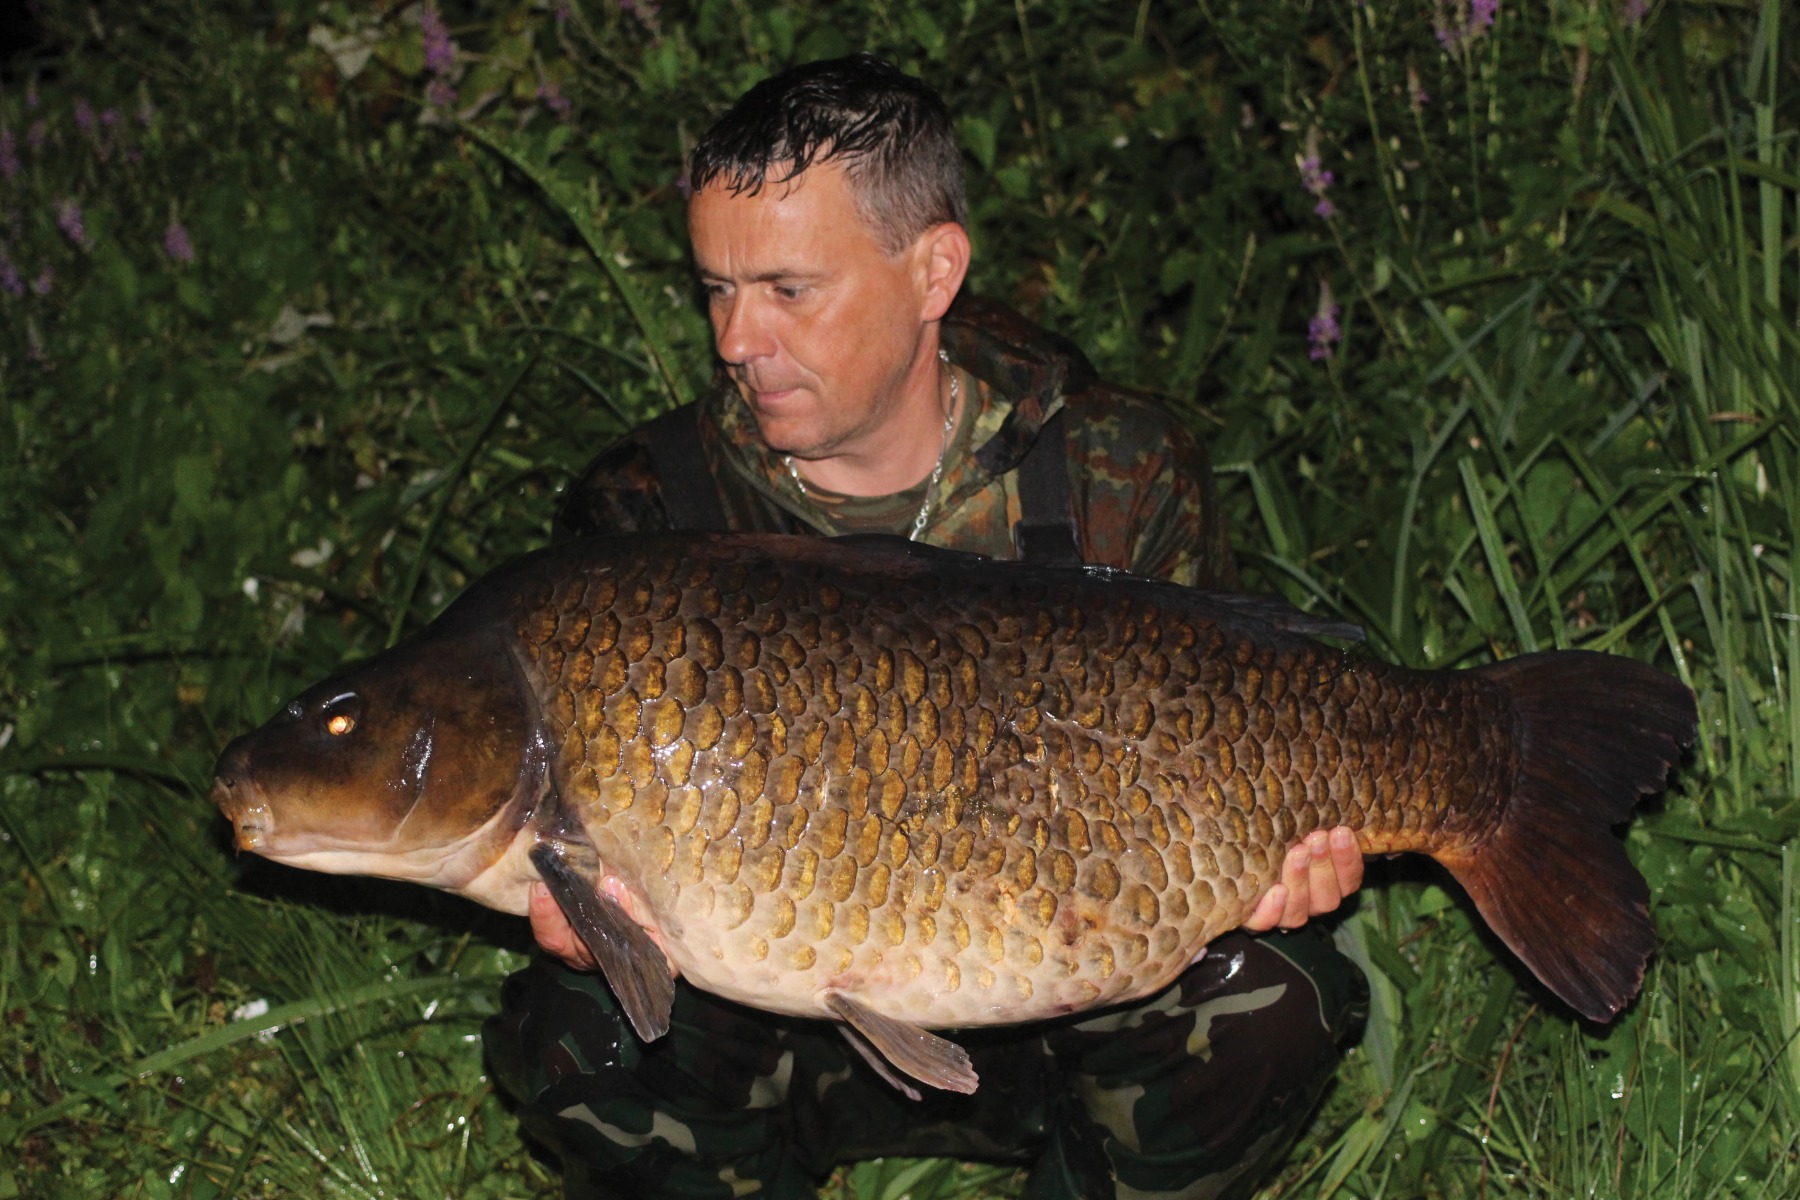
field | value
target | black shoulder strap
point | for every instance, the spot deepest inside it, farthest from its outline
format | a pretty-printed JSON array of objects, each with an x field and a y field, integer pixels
[
  {"x": 689, "y": 495},
  {"x": 1046, "y": 529}
]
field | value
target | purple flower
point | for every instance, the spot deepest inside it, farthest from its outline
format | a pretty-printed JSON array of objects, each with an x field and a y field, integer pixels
[
  {"x": 1460, "y": 22},
  {"x": 176, "y": 243},
  {"x": 69, "y": 220},
  {"x": 10, "y": 280},
  {"x": 109, "y": 117},
  {"x": 1414, "y": 91},
  {"x": 9, "y": 155},
  {"x": 1314, "y": 177},
  {"x": 440, "y": 48},
  {"x": 684, "y": 185},
  {"x": 554, "y": 100},
  {"x": 1633, "y": 11},
  {"x": 561, "y": 12},
  {"x": 43, "y": 283},
  {"x": 440, "y": 58},
  {"x": 84, "y": 115},
  {"x": 1322, "y": 331}
]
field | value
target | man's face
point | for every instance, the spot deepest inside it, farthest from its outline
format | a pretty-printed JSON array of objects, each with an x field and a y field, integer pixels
[{"x": 821, "y": 328}]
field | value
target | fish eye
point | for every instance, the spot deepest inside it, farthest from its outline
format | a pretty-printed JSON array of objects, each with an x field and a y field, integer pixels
[{"x": 338, "y": 724}]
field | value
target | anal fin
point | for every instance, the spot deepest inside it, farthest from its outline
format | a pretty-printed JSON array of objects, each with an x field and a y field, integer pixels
[
  {"x": 877, "y": 1064},
  {"x": 923, "y": 1055},
  {"x": 634, "y": 966}
]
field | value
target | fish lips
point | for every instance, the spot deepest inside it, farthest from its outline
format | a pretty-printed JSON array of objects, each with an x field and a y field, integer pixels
[{"x": 238, "y": 797}]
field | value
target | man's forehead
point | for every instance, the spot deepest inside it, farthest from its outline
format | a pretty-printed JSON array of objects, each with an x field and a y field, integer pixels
[
  {"x": 777, "y": 182},
  {"x": 787, "y": 226},
  {"x": 777, "y": 187}
]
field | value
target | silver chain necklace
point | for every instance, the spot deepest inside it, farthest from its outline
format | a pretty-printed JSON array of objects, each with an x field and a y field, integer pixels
[{"x": 937, "y": 471}]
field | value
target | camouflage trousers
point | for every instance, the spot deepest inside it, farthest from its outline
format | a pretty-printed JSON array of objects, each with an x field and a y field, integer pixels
[{"x": 1193, "y": 1092}]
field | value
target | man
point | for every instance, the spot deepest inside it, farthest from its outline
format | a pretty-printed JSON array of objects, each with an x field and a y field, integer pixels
[{"x": 859, "y": 394}]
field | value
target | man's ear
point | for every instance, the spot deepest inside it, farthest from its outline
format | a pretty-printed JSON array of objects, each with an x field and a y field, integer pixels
[{"x": 942, "y": 261}]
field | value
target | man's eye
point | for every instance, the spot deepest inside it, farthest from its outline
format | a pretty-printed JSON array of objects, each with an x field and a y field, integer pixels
[{"x": 788, "y": 291}]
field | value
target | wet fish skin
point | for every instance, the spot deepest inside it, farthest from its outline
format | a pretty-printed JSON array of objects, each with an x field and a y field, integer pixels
[
  {"x": 891, "y": 784},
  {"x": 997, "y": 839}
]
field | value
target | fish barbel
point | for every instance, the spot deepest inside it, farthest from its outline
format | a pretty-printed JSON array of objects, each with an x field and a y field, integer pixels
[{"x": 906, "y": 788}]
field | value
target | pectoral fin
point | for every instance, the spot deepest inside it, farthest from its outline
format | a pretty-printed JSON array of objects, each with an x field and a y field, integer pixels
[
  {"x": 925, "y": 1056},
  {"x": 634, "y": 967}
]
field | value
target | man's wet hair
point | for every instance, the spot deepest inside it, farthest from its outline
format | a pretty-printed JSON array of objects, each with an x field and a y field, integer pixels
[{"x": 890, "y": 131}]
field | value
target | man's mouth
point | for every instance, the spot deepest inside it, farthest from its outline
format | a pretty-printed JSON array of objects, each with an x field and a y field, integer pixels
[
  {"x": 759, "y": 390},
  {"x": 773, "y": 402}
]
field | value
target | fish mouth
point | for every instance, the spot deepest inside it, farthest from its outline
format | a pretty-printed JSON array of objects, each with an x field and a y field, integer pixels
[
  {"x": 254, "y": 826},
  {"x": 237, "y": 796},
  {"x": 248, "y": 813}
]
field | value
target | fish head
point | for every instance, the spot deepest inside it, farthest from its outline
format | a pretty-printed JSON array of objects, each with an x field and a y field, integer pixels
[{"x": 419, "y": 764}]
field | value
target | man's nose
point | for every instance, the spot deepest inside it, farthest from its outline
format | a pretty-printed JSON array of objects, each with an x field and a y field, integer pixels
[{"x": 740, "y": 330}]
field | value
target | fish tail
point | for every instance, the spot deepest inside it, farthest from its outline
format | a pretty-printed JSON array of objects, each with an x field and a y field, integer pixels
[{"x": 1595, "y": 732}]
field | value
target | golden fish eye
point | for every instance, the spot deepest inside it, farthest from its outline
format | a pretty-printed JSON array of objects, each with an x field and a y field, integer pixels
[{"x": 338, "y": 724}]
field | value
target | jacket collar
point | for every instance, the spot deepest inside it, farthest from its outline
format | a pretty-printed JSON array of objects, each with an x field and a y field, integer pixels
[{"x": 1023, "y": 374}]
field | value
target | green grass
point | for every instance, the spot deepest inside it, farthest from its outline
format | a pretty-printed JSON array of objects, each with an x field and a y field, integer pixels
[{"x": 1564, "y": 413}]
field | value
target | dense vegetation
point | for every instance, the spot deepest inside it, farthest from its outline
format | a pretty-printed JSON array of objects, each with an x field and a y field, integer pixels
[{"x": 307, "y": 311}]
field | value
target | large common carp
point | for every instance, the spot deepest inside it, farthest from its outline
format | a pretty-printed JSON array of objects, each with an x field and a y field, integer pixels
[{"x": 907, "y": 788}]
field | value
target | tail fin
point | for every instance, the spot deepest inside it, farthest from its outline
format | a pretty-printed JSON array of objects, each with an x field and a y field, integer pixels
[{"x": 1596, "y": 732}]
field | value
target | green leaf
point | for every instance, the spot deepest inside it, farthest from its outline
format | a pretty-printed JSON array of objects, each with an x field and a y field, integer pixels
[
  {"x": 978, "y": 136},
  {"x": 193, "y": 476}
]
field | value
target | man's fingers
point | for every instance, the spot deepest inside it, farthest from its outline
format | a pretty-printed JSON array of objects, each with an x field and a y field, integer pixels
[
  {"x": 1346, "y": 855},
  {"x": 1323, "y": 883},
  {"x": 1268, "y": 910},
  {"x": 1316, "y": 875},
  {"x": 1300, "y": 873},
  {"x": 1285, "y": 904},
  {"x": 553, "y": 931}
]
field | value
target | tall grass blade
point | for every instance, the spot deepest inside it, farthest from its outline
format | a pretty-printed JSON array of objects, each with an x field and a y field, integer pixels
[{"x": 586, "y": 222}]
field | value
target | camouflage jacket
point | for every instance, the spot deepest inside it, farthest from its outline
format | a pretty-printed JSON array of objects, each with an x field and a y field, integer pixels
[{"x": 1141, "y": 483}]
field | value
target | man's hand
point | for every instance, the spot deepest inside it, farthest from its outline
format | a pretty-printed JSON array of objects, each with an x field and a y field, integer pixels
[
  {"x": 554, "y": 933},
  {"x": 1318, "y": 874}
]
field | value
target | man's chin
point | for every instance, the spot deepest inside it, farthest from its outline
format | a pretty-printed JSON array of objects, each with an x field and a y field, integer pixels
[{"x": 787, "y": 435}]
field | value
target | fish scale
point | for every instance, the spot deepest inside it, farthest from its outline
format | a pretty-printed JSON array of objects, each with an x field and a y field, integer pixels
[
  {"x": 909, "y": 789},
  {"x": 1005, "y": 818}
]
